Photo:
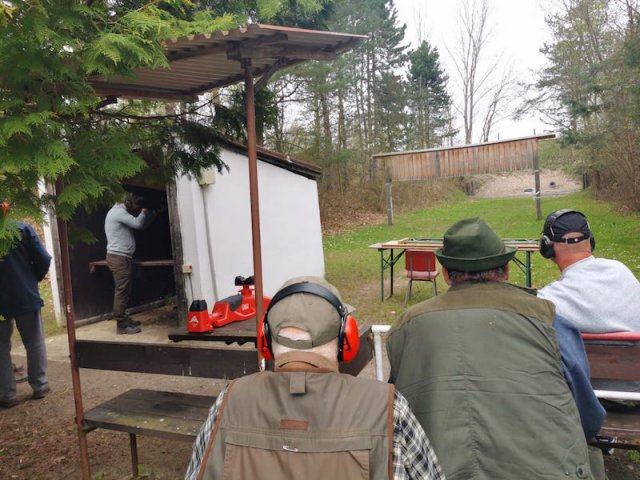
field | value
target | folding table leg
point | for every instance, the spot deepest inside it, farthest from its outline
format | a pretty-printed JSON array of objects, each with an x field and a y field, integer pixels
[{"x": 134, "y": 455}]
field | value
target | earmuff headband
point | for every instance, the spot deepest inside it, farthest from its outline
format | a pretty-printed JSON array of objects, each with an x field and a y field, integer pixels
[{"x": 313, "y": 289}]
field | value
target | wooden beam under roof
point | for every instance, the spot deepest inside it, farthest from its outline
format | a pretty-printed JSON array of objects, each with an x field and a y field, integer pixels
[
  {"x": 148, "y": 93},
  {"x": 278, "y": 52},
  {"x": 223, "y": 46}
]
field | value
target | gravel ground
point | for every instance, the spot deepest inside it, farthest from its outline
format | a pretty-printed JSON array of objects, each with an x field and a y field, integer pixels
[{"x": 518, "y": 184}]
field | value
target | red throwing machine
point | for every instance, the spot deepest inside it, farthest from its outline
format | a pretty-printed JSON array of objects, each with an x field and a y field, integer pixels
[{"x": 235, "y": 308}]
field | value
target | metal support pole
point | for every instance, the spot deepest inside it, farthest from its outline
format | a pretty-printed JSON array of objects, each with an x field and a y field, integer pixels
[
  {"x": 253, "y": 191},
  {"x": 71, "y": 335},
  {"x": 381, "y": 274},
  {"x": 377, "y": 331},
  {"x": 391, "y": 274}
]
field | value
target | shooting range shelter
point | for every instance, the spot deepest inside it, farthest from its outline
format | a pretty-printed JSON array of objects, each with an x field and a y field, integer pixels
[
  {"x": 461, "y": 161},
  {"x": 198, "y": 64}
]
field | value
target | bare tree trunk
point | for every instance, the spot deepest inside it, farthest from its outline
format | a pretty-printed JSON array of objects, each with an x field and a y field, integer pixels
[{"x": 473, "y": 37}]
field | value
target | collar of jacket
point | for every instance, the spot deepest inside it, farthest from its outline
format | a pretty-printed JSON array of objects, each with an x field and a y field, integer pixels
[{"x": 298, "y": 361}]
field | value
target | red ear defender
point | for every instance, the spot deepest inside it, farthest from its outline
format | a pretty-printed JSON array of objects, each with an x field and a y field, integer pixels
[
  {"x": 350, "y": 340},
  {"x": 264, "y": 340}
]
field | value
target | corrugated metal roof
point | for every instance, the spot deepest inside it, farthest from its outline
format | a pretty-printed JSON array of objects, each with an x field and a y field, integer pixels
[{"x": 200, "y": 63}]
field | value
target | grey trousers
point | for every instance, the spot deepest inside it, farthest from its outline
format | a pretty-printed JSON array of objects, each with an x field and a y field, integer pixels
[
  {"x": 31, "y": 331},
  {"x": 121, "y": 268}
]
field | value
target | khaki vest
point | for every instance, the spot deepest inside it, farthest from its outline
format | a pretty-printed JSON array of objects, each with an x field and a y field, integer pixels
[
  {"x": 481, "y": 369},
  {"x": 304, "y": 421}
]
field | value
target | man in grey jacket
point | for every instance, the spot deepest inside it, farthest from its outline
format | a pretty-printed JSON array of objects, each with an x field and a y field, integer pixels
[{"x": 119, "y": 224}]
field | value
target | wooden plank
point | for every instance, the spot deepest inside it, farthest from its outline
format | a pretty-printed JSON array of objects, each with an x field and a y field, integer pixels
[
  {"x": 235, "y": 332},
  {"x": 165, "y": 359},
  {"x": 136, "y": 263},
  {"x": 614, "y": 362},
  {"x": 170, "y": 415},
  {"x": 625, "y": 426}
]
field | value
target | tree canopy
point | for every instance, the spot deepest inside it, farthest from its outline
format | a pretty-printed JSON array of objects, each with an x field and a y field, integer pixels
[{"x": 53, "y": 125}]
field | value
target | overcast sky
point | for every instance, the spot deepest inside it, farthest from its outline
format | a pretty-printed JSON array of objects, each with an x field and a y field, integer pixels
[{"x": 518, "y": 33}]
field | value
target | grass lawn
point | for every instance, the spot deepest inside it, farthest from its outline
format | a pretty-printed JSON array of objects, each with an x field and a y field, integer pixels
[{"x": 355, "y": 269}]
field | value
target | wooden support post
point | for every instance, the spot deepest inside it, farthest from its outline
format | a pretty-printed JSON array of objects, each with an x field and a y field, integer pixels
[
  {"x": 178, "y": 256},
  {"x": 134, "y": 454},
  {"x": 536, "y": 173}
]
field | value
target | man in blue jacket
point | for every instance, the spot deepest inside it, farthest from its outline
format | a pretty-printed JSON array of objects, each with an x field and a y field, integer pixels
[{"x": 21, "y": 269}]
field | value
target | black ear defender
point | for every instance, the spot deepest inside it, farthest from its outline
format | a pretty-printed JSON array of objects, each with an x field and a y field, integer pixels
[
  {"x": 348, "y": 335},
  {"x": 549, "y": 237}
]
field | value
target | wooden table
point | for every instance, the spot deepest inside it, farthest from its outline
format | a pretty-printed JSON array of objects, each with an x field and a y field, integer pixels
[
  {"x": 136, "y": 263},
  {"x": 522, "y": 245}
]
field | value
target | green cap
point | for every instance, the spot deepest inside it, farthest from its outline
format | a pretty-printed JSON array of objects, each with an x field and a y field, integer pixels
[
  {"x": 308, "y": 312},
  {"x": 471, "y": 245}
]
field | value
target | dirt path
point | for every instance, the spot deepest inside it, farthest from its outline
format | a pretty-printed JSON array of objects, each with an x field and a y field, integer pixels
[{"x": 39, "y": 438}]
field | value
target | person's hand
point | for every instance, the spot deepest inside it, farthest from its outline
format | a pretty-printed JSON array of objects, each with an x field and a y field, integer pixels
[{"x": 144, "y": 210}]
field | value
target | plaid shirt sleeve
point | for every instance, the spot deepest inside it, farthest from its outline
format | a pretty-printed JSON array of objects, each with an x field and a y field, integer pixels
[
  {"x": 413, "y": 457},
  {"x": 202, "y": 439}
]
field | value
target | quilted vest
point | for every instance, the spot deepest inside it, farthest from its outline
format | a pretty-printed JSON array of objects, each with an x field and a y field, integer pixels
[
  {"x": 481, "y": 369},
  {"x": 303, "y": 421}
]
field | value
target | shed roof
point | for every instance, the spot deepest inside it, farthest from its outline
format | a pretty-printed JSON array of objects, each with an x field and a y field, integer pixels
[
  {"x": 276, "y": 158},
  {"x": 199, "y": 63}
]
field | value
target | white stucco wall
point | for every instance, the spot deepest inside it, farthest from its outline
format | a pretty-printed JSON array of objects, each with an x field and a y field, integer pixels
[{"x": 289, "y": 220}]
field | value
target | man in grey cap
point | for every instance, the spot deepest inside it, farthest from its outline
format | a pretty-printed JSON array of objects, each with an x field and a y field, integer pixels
[
  {"x": 482, "y": 370},
  {"x": 597, "y": 295},
  {"x": 305, "y": 419}
]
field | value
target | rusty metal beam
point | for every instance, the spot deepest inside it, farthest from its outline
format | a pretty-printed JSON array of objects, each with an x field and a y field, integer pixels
[
  {"x": 71, "y": 336},
  {"x": 253, "y": 192}
]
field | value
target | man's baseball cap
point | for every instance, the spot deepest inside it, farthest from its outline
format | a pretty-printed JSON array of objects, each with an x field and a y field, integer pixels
[
  {"x": 559, "y": 223},
  {"x": 307, "y": 311}
]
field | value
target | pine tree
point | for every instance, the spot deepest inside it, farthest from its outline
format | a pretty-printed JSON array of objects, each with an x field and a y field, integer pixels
[{"x": 430, "y": 101}]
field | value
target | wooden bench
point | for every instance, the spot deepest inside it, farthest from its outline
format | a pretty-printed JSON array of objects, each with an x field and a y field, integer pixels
[
  {"x": 170, "y": 415},
  {"x": 616, "y": 356}
]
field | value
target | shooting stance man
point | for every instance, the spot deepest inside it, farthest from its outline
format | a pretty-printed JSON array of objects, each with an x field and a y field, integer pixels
[
  {"x": 306, "y": 420},
  {"x": 482, "y": 369},
  {"x": 26, "y": 264},
  {"x": 119, "y": 224},
  {"x": 597, "y": 295}
]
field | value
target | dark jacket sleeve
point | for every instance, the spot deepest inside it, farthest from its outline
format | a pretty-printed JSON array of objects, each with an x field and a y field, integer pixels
[
  {"x": 576, "y": 372},
  {"x": 40, "y": 258}
]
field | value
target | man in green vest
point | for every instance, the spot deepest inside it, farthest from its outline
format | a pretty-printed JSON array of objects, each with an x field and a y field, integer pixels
[
  {"x": 484, "y": 374},
  {"x": 305, "y": 420}
]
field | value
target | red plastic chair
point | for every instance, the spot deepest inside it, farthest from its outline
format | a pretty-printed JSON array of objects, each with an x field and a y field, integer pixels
[{"x": 421, "y": 265}]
